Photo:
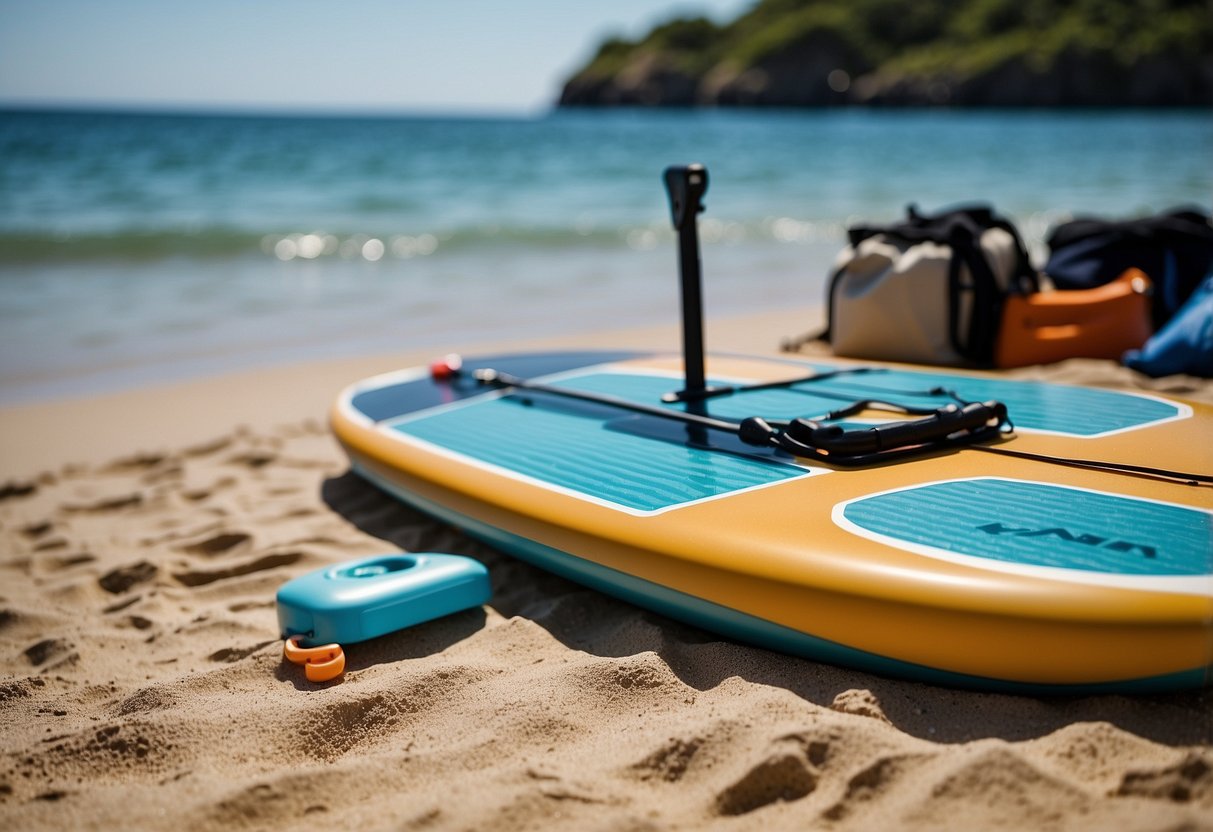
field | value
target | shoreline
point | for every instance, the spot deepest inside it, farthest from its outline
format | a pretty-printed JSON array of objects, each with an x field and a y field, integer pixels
[
  {"x": 146, "y": 533},
  {"x": 92, "y": 428},
  {"x": 159, "y": 322}
]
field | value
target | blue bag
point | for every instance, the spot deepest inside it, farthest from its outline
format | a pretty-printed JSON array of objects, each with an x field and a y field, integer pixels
[{"x": 1185, "y": 344}]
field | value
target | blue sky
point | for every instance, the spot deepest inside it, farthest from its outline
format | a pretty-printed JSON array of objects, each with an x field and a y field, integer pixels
[{"x": 363, "y": 55}]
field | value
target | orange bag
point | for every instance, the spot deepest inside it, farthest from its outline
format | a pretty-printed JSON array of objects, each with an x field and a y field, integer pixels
[{"x": 1102, "y": 322}]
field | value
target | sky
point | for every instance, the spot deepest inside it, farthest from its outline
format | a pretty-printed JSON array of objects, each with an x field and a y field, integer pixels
[{"x": 456, "y": 56}]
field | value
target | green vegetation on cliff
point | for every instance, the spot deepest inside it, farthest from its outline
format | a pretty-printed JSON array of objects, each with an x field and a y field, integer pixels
[{"x": 964, "y": 52}]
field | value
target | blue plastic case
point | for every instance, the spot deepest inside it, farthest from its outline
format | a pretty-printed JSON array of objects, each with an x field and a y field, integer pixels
[{"x": 362, "y": 599}]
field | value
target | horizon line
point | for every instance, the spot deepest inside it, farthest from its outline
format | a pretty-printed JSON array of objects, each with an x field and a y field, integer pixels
[
  {"x": 476, "y": 112},
  {"x": 236, "y": 109}
]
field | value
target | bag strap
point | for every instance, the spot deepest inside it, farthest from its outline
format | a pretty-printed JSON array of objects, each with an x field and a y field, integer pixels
[{"x": 985, "y": 311}]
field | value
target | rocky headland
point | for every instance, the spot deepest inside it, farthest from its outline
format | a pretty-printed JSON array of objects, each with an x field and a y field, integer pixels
[{"x": 978, "y": 53}]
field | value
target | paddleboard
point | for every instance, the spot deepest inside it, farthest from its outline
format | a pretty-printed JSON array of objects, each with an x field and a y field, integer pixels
[{"x": 957, "y": 566}]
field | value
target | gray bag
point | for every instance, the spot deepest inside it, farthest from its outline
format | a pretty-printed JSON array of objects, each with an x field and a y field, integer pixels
[{"x": 927, "y": 291}]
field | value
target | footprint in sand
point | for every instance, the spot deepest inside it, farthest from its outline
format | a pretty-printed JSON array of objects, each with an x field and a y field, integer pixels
[
  {"x": 670, "y": 762},
  {"x": 234, "y": 654},
  {"x": 135, "y": 462},
  {"x": 119, "y": 580},
  {"x": 202, "y": 577},
  {"x": 17, "y": 488},
  {"x": 219, "y": 544},
  {"x": 208, "y": 448},
  {"x": 782, "y": 776},
  {"x": 1189, "y": 780},
  {"x": 36, "y": 530},
  {"x": 871, "y": 783},
  {"x": 104, "y": 505},
  {"x": 51, "y": 653},
  {"x": 62, "y": 562},
  {"x": 198, "y": 492},
  {"x": 253, "y": 459}
]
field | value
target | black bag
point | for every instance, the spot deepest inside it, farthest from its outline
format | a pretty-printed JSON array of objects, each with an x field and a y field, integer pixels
[
  {"x": 929, "y": 289},
  {"x": 1175, "y": 249}
]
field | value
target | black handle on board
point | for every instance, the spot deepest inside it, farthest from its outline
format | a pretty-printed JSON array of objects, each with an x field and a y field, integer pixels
[{"x": 686, "y": 185}]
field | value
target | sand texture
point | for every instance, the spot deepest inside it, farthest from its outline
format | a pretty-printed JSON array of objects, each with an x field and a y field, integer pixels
[{"x": 144, "y": 686}]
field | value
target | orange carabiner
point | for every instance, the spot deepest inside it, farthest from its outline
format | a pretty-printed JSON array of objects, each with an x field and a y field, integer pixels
[{"x": 320, "y": 664}]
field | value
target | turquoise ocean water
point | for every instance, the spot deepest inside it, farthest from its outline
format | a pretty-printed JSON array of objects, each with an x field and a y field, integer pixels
[{"x": 145, "y": 247}]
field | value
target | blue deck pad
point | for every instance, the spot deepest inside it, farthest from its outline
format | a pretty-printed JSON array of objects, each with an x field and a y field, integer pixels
[
  {"x": 1035, "y": 524},
  {"x": 596, "y": 452},
  {"x": 1073, "y": 411}
]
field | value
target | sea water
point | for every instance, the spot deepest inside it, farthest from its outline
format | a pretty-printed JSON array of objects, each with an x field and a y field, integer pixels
[{"x": 141, "y": 247}]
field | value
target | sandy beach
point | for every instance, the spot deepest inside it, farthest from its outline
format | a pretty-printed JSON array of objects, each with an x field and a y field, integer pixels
[{"x": 144, "y": 533}]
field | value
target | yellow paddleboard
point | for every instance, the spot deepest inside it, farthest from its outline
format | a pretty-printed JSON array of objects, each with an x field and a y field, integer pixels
[{"x": 956, "y": 566}]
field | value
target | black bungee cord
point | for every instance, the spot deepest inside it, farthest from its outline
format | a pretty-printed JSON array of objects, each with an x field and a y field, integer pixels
[{"x": 946, "y": 426}]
